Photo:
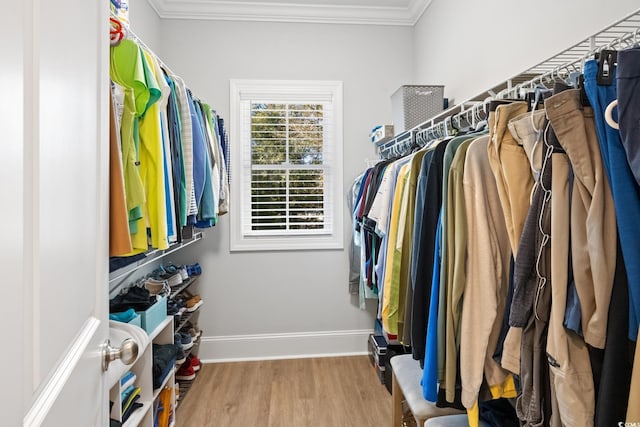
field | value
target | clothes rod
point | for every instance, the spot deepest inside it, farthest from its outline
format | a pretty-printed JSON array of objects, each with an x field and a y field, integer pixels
[{"x": 624, "y": 33}]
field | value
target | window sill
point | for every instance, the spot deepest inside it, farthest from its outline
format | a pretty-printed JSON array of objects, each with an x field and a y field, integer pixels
[{"x": 260, "y": 244}]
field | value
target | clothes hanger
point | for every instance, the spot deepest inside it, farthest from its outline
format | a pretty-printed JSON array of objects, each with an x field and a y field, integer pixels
[
  {"x": 611, "y": 57},
  {"x": 116, "y": 31},
  {"x": 608, "y": 114},
  {"x": 481, "y": 117}
]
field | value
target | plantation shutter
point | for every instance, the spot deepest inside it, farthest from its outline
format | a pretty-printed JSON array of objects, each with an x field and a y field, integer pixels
[{"x": 287, "y": 164}]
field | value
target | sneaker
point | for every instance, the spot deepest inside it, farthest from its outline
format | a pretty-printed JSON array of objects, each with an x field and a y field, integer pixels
[
  {"x": 173, "y": 279},
  {"x": 180, "y": 355},
  {"x": 194, "y": 303},
  {"x": 186, "y": 373},
  {"x": 194, "y": 270},
  {"x": 177, "y": 269},
  {"x": 195, "y": 333},
  {"x": 194, "y": 362},
  {"x": 157, "y": 287},
  {"x": 184, "y": 339},
  {"x": 176, "y": 306},
  {"x": 183, "y": 272}
]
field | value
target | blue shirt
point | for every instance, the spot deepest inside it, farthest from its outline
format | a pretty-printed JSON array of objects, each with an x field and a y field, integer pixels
[
  {"x": 199, "y": 155},
  {"x": 430, "y": 373},
  {"x": 624, "y": 189}
]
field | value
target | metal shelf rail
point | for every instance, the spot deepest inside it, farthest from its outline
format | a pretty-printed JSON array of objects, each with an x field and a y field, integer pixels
[
  {"x": 150, "y": 257},
  {"x": 622, "y": 34}
]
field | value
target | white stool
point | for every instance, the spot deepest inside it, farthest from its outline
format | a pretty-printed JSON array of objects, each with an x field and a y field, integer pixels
[
  {"x": 451, "y": 421},
  {"x": 406, "y": 385}
]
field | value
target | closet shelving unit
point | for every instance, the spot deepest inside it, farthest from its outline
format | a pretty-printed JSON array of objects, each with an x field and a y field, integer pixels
[
  {"x": 165, "y": 332},
  {"x": 619, "y": 35}
]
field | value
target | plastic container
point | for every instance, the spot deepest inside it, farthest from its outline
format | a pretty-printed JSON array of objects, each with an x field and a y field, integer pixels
[{"x": 154, "y": 315}]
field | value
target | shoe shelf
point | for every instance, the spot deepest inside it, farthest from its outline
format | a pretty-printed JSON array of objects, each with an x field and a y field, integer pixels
[
  {"x": 190, "y": 281},
  {"x": 150, "y": 257},
  {"x": 185, "y": 386},
  {"x": 196, "y": 343},
  {"x": 185, "y": 318}
]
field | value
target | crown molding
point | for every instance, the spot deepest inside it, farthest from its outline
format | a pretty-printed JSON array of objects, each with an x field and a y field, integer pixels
[{"x": 290, "y": 12}]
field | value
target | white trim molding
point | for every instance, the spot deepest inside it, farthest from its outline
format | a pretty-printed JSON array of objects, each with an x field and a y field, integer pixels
[
  {"x": 241, "y": 94},
  {"x": 293, "y": 11},
  {"x": 237, "y": 348}
]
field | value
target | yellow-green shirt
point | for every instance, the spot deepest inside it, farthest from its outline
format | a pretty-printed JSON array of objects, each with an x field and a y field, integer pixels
[
  {"x": 391, "y": 294},
  {"x": 152, "y": 162}
]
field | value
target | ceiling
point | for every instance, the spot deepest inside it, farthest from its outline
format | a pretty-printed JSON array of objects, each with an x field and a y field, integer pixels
[{"x": 378, "y": 12}]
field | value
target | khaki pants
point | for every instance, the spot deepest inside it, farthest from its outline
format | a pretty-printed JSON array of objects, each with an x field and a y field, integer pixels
[
  {"x": 511, "y": 169},
  {"x": 590, "y": 217},
  {"x": 593, "y": 222},
  {"x": 567, "y": 353}
]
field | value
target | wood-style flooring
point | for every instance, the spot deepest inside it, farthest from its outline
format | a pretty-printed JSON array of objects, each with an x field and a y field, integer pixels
[{"x": 322, "y": 392}]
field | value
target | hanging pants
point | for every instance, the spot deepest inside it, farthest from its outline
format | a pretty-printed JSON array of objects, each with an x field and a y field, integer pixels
[
  {"x": 589, "y": 215},
  {"x": 567, "y": 353}
]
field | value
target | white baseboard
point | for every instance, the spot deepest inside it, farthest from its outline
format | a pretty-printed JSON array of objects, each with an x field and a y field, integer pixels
[{"x": 236, "y": 348}]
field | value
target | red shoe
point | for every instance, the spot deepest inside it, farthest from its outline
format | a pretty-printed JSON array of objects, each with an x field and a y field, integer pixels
[
  {"x": 186, "y": 373},
  {"x": 194, "y": 362}
]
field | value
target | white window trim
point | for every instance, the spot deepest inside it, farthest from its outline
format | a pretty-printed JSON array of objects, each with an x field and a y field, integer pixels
[{"x": 290, "y": 90}]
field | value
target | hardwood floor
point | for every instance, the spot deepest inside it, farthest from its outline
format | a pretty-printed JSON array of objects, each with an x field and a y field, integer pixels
[{"x": 323, "y": 392}]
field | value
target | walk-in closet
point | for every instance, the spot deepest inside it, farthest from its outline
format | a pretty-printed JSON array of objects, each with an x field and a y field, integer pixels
[{"x": 321, "y": 213}]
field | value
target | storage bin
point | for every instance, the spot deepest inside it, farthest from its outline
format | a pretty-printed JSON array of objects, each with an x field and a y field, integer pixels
[
  {"x": 381, "y": 133},
  {"x": 377, "y": 354},
  {"x": 415, "y": 104},
  {"x": 136, "y": 321},
  {"x": 154, "y": 315}
]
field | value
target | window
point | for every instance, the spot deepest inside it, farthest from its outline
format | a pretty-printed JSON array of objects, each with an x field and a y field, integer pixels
[{"x": 286, "y": 142}]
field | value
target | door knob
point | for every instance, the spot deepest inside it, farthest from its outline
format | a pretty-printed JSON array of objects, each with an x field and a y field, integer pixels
[{"x": 127, "y": 353}]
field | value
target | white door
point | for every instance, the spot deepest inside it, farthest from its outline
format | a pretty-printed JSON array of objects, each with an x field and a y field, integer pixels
[{"x": 54, "y": 194}]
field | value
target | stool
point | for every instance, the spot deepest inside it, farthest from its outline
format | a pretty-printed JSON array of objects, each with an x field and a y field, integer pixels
[
  {"x": 451, "y": 421},
  {"x": 406, "y": 385}
]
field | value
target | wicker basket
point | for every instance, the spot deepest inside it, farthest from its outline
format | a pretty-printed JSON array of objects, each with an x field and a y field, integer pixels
[{"x": 414, "y": 104}]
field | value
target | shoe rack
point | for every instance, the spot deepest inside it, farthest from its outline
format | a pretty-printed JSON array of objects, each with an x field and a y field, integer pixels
[
  {"x": 163, "y": 334},
  {"x": 182, "y": 324}
]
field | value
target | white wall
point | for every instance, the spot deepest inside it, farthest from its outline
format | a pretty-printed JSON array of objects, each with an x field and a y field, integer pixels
[
  {"x": 145, "y": 22},
  {"x": 271, "y": 304},
  {"x": 470, "y": 46}
]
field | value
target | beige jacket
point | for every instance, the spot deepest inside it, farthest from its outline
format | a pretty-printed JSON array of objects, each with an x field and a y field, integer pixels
[{"x": 487, "y": 278}]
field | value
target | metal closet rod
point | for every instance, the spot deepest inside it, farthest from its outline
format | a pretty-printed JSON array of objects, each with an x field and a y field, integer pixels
[
  {"x": 627, "y": 34},
  {"x": 133, "y": 36}
]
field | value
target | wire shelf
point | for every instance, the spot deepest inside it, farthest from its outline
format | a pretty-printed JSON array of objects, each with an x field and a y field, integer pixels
[{"x": 622, "y": 34}]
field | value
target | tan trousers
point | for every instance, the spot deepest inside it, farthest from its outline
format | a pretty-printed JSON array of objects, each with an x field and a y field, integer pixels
[
  {"x": 593, "y": 220},
  {"x": 510, "y": 167},
  {"x": 568, "y": 356}
]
